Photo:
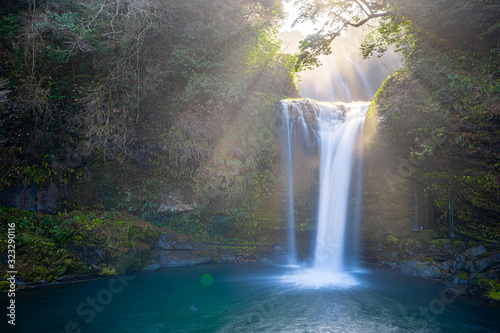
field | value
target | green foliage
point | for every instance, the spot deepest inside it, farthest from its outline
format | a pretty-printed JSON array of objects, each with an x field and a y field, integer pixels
[
  {"x": 440, "y": 112},
  {"x": 9, "y": 26},
  {"x": 106, "y": 190},
  {"x": 179, "y": 82},
  {"x": 145, "y": 98},
  {"x": 393, "y": 240},
  {"x": 47, "y": 245},
  {"x": 94, "y": 66},
  {"x": 17, "y": 169},
  {"x": 392, "y": 31},
  {"x": 454, "y": 116},
  {"x": 457, "y": 23},
  {"x": 492, "y": 286}
]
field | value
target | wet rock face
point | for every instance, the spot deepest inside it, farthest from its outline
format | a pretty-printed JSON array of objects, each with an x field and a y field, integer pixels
[
  {"x": 281, "y": 257},
  {"x": 173, "y": 251},
  {"x": 169, "y": 243},
  {"x": 175, "y": 202},
  {"x": 34, "y": 198},
  {"x": 476, "y": 251},
  {"x": 176, "y": 259},
  {"x": 474, "y": 270},
  {"x": 419, "y": 268},
  {"x": 438, "y": 267}
]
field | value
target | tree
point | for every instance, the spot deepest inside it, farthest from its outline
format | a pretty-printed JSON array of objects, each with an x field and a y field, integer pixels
[
  {"x": 450, "y": 23},
  {"x": 336, "y": 16}
]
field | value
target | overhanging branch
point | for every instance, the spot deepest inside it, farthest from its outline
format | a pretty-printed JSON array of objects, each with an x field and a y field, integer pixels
[{"x": 368, "y": 18}]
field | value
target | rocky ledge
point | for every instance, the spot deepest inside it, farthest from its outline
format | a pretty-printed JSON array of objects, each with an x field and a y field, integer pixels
[
  {"x": 473, "y": 270},
  {"x": 174, "y": 250}
]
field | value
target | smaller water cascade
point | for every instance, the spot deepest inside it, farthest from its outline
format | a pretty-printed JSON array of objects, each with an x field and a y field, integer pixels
[
  {"x": 415, "y": 218},
  {"x": 450, "y": 216},
  {"x": 296, "y": 136},
  {"x": 290, "y": 211}
]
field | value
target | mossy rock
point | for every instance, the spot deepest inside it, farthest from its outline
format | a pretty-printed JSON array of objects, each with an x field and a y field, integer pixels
[
  {"x": 427, "y": 235},
  {"x": 68, "y": 245},
  {"x": 441, "y": 243},
  {"x": 76, "y": 268},
  {"x": 106, "y": 271},
  {"x": 413, "y": 242},
  {"x": 129, "y": 263},
  {"x": 494, "y": 295},
  {"x": 143, "y": 235},
  {"x": 458, "y": 244},
  {"x": 393, "y": 240}
]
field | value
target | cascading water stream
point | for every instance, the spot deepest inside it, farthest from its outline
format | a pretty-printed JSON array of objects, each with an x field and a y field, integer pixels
[
  {"x": 291, "y": 215},
  {"x": 337, "y": 141},
  {"x": 335, "y": 129},
  {"x": 296, "y": 132},
  {"x": 416, "y": 221}
]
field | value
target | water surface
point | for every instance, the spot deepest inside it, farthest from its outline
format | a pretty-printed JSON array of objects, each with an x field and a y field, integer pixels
[{"x": 250, "y": 298}]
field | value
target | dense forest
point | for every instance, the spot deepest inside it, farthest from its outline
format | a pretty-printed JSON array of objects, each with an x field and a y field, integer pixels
[
  {"x": 146, "y": 107},
  {"x": 138, "y": 94},
  {"x": 122, "y": 119}
]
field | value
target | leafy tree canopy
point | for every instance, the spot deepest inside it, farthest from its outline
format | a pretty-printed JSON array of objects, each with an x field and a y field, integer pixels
[{"x": 449, "y": 23}]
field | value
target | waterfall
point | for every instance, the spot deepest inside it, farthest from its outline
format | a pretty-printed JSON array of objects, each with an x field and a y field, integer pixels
[
  {"x": 290, "y": 211},
  {"x": 415, "y": 218},
  {"x": 295, "y": 136},
  {"x": 337, "y": 139},
  {"x": 333, "y": 129},
  {"x": 450, "y": 216}
]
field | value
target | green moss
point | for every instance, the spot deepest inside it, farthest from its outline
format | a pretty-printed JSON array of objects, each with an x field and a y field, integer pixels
[
  {"x": 108, "y": 271},
  {"x": 68, "y": 245},
  {"x": 458, "y": 244},
  {"x": 76, "y": 269},
  {"x": 427, "y": 260},
  {"x": 440, "y": 243},
  {"x": 493, "y": 286},
  {"x": 412, "y": 242},
  {"x": 463, "y": 276},
  {"x": 128, "y": 263},
  {"x": 494, "y": 295},
  {"x": 427, "y": 235},
  {"x": 393, "y": 240}
]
